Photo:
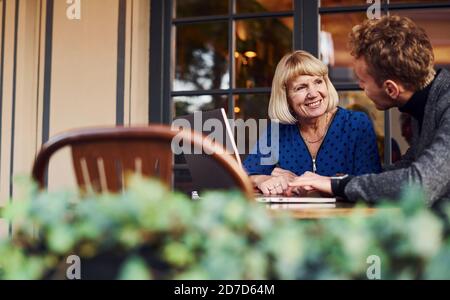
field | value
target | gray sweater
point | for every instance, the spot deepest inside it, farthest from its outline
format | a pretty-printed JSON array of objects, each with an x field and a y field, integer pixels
[{"x": 427, "y": 161}]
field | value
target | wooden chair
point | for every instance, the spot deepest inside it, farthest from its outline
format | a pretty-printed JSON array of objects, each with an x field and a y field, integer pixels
[{"x": 103, "y": 156}]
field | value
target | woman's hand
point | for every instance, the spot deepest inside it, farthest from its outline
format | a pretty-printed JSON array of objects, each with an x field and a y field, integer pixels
[
  {"x": 290, "y": 176},
  {"x": 275, "y": 185},
  {"x": 283, "y": 172},
  {"x": 310, "y": 181}
]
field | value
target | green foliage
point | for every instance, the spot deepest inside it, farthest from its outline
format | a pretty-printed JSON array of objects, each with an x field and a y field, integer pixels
[{"x": 154, "y": 233}]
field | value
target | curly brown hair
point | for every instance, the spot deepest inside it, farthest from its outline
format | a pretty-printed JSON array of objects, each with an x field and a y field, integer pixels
[{"x": 394, "y": 48}]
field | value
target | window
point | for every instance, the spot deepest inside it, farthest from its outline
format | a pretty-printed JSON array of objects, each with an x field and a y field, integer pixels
[
  {"x": 339, "y": 16},
  {"x": 223, "y": 53},
  {"x": 337, "y": 19}
]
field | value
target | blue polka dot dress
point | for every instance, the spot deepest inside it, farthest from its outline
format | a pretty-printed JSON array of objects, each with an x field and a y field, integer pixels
[{"x": 349, "y": 147}]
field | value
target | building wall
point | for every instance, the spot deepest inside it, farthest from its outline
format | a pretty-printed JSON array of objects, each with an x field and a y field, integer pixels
[{"x": 61, "y": 73}]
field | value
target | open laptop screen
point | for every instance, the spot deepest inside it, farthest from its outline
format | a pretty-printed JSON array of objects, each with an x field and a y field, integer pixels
[{"x": 206, "y": 173}]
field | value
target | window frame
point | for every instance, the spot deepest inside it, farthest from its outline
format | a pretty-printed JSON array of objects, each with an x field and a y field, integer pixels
[
  {"x": 162, "y": 50},
  {"x": 306, "y": 14},
  {"x": 386, "y": 7}
]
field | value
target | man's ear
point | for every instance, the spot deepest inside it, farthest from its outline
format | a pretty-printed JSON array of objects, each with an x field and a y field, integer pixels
[{"x": 392, "y": 89}]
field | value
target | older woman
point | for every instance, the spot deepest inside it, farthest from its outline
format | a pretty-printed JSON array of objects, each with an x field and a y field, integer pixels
[{"x": 314, "y": 133}]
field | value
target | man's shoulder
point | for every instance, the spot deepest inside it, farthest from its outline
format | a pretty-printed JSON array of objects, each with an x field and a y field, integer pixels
[
  {"x": 443, "y": 106},
  {"x": 441, "y": 87},
  {"x": 438, "y": 102}
]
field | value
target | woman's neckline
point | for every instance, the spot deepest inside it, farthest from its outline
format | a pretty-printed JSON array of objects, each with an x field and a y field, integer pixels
[{"x": 330, "y": 124}]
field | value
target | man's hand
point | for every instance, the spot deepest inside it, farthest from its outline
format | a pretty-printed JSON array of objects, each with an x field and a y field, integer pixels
[
  {"x": 278, "y": 184},
  {"x": 311, "y": 181},
  {"x": 289, "y": 176}
]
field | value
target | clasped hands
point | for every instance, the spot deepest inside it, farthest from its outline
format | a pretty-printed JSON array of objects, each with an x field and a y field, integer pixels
[{"x": 284, "y": 182}]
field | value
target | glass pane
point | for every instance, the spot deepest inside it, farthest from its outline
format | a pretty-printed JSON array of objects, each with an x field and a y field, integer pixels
[
  {"x": 252, "y": 6},
  {"x": 436, "y": 23},
  {"x": 358, "y": 101},
  {"x": 196, "y": 8},
  {"x": 182, "y": 180},
  {"x": 324, "y": 3},
  {"x": 334, "y": 51},
  {"x": 251, "y": 106},
  {"x": 419, "y": 1},
  {"x": 260, "y": 44},
  {"x": 201, "y": 57},
  {"x": 185, "y": 105}
]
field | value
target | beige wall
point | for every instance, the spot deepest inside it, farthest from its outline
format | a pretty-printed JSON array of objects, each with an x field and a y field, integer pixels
[
  {"x": 83, "y": 79},
  {"x": 84, "y": 63},
  {"x": 6, "y": 108}
]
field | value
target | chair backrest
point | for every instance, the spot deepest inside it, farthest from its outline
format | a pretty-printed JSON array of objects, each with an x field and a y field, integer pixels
[{"x": 103, "y": 156}]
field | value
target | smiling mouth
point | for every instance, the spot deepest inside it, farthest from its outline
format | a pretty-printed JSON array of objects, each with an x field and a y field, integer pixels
[{"x": 314, "y": 104}]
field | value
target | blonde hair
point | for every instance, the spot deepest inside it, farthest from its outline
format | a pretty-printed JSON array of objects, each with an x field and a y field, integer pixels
[
  {"x": 394, "y": 47},
  {"x": 291, "y": 66}
]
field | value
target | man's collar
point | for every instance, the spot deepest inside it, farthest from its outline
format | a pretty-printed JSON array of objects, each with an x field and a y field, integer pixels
[{"x": 416, "y": 105}]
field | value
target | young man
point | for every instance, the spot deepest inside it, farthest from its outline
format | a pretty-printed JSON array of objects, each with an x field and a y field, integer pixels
[{"x": 393, "y": 60}]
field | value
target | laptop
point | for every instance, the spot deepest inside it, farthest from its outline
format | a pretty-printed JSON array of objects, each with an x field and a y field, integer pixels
[{"x": 207, "y": 174}]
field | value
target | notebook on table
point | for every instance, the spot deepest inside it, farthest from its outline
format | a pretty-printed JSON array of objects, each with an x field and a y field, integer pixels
[
  {"x": 296, "y": 206},
  {"x": 294, "y": 199},
  {"x": 296, "y": 202}
]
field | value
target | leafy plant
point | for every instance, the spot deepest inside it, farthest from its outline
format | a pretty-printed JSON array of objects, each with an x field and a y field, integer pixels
[{"x": 149, "y": 232}]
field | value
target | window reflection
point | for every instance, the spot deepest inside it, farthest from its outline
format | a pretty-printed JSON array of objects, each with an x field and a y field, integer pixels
[
  {"x": 325, "y": 3},
  {"x": 251, "y": 106},
  {"x": 436, "y": 23},
  {"x": 335, "y": 3},
  {"x": 185, "y": 105},
  {"x": 246, "y": 6},
  {"x": 417, "y": 1},
  {"x": 197, "y": 8},
  {"x": 201, "y": 56},
  {"x": 335, "y": 29},
  {"x": 183, "y": 179},
  {"x": 260, "y": 44}
]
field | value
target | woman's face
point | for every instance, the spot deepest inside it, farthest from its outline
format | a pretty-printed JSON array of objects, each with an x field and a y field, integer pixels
[{"x": 308, "y": 96}]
